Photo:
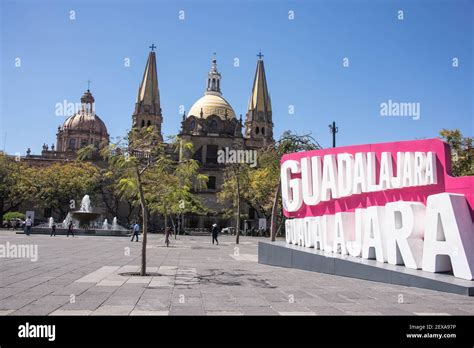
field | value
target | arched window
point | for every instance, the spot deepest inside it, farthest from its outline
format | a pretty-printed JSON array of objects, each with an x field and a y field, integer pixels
[
  {"x": 218, "y": 84},
  {"x": 263, "y": 130},
  {"x": 143, "y": 123},
  {"x": 72, "y": 144},
  {"x": 213, "y": 126},
  {"x": 257, "y": 130},
  {"x": 213, "y": 83},
  {"x": 148, "y": 124}
]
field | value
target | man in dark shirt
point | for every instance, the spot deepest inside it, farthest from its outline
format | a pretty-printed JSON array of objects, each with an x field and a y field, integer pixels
[{"x": 215, "y": 231}]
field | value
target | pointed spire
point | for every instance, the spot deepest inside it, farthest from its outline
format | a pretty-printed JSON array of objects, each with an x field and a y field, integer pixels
[
  {"x": 147, "y": 107},
  {"x": 258, "y": 120},
  {"x": 148, "y": 93},
  {"x": 260, "y": 98}
]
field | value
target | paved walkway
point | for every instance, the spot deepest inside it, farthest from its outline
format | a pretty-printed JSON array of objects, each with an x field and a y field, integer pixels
[{"x": 81, "y": 276}]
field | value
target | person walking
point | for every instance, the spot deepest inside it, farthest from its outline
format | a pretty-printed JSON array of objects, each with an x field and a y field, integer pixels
[
  {"x": 214, "y": 232},
  {"x": 136, "y": 231},
  {"x": 53, "y": 230},
  {"x": 167, "y": 236},
  {"x": 28, "y": 224},
  {"x": 70, "y": 229}
]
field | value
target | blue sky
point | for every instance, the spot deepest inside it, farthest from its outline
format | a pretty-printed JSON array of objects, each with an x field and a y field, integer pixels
[{"x": 407, "y": 60}]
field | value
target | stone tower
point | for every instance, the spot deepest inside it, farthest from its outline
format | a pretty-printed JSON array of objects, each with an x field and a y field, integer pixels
[
  {"x": 258, "y": 121},
  {"x": 147, "y": 107}
]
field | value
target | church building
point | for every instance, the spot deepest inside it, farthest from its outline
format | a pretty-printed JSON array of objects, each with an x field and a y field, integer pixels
[{"x": 210, "y": 125}]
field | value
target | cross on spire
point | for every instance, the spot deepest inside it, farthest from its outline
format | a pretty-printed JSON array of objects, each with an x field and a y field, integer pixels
[
  {"x": 260, "y": 55},
  {"x": 152, "y": 47}
]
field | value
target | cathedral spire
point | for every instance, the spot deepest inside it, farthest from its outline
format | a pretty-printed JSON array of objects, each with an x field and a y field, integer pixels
[
  {"x": 147, "y": 106},
  {"x": 258, "y": 122},
  {"x": 260, "y": 98},
  {"x": 148, "y": 93}
]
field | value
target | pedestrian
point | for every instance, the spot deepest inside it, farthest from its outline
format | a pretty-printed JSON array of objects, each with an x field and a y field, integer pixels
[
  {"x": 70, "y": 229},
  {"x": 214, "y": 232},
  {"x": 28, "y": 224},
  {"x": 136, "y": 231},
  {"x": 167, "y": 236},
  {"x": 53, "y": 230}
]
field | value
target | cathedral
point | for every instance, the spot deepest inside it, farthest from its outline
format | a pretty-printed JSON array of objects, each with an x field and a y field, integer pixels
[{"x": 210, "y": 125}]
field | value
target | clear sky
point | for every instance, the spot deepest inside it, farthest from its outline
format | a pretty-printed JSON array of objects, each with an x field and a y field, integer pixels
[{"x": 409, "y": 60}]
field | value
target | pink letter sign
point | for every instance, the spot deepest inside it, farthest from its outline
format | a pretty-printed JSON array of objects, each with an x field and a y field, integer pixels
[{"x": 393, "y": 202}]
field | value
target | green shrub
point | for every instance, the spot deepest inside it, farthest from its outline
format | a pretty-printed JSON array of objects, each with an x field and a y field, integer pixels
[{"x": 13, "y": 215}]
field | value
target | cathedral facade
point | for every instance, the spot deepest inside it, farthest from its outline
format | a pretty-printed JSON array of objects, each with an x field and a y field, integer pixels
[{"x": 211, "y": 125}]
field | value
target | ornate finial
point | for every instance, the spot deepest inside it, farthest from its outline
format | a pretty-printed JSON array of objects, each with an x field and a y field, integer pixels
[
  {"x": 260, "y": 55},
  {"x": 152, "y": 47},
  {"x": 240, "y": 119},
  {"x": 184, "y": 115},
  {"x": 201, "y": 113},
  {"x": 28, "y": 151}
]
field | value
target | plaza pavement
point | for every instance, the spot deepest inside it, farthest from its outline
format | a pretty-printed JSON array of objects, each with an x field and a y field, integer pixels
[{"x": 81, "y": 276}]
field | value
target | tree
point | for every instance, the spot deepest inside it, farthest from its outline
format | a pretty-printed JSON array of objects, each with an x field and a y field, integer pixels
[
  {"x": 16, "y": 183},
  {"x": 234, "y": 188},
  {"x": 51, "y": 187},
  {"x": 151, "y": 178},
  {"x": 264, "y": 181},
  {"x": 172, "y": 184},
  {"x": 60, "y": 184},
  {"x": 134, "y": 156},
  {"x": 462, "y": 152},
  {"x": 260, "y": 187},
  {"x": 288, "y": 143}
]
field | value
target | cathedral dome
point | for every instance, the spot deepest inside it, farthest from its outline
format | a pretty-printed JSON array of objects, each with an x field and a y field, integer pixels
[
  {"x": 212, "y": 104},
  {"x": 85, "y": 122}
]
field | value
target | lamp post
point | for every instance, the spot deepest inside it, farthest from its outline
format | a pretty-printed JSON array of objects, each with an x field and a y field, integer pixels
[{"x": 333, "y": 129}]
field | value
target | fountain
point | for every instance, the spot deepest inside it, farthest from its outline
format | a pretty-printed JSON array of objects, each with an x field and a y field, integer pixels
[
  {"x": 86, "y": 204},
  {"x": 115, "y": 225},
  {"x": 67, "y": 220},
  {"x": 85, "y": 215},
  {"x": 86, "y": 221}
]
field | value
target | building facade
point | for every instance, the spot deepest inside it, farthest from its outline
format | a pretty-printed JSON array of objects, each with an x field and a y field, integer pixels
[{"x": 210, "y": 125}]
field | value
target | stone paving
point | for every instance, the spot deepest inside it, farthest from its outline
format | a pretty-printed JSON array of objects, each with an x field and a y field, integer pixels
[{"x": 82, "y": 276}]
